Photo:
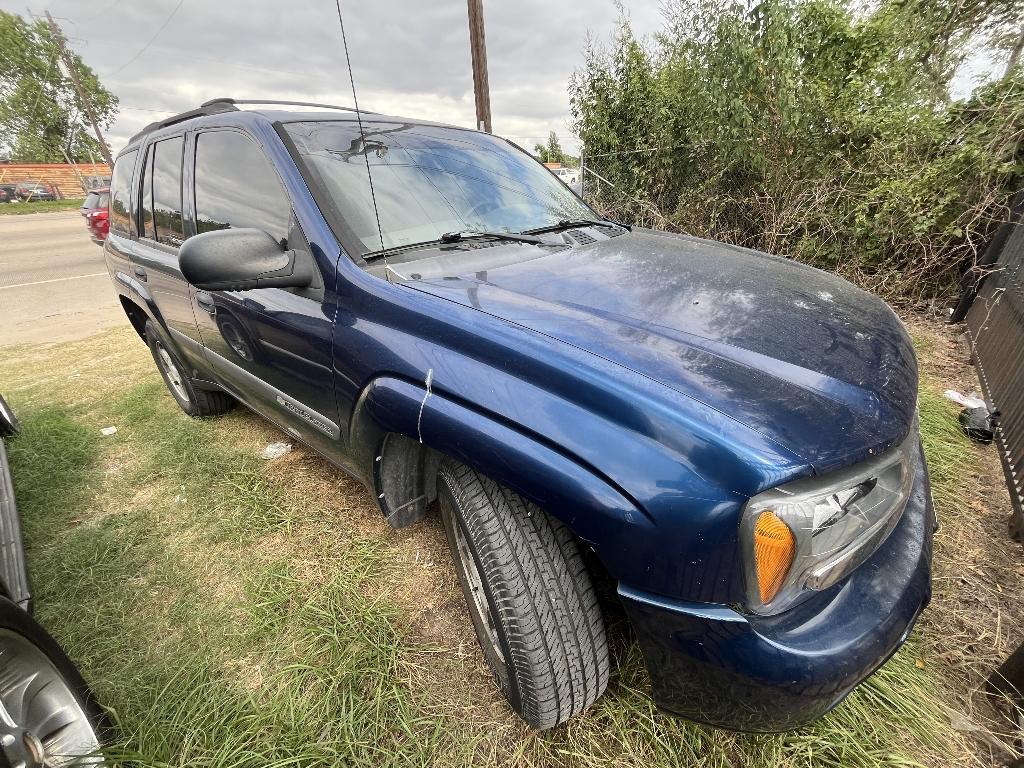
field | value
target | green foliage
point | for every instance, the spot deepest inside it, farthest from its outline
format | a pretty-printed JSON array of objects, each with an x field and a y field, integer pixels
[
  {"x": 552, "y": 152},
  {"x": 817, "y": 128},
  {"x": 41, "y": 115}
]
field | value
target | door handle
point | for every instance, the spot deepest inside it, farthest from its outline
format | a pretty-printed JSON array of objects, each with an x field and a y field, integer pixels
[
  {"x": 205, "y": 300},
  {"x": 140, "y": 273}
]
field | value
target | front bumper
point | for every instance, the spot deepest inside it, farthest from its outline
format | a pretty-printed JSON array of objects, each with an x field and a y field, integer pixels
[{"x": 712, "y": 664}]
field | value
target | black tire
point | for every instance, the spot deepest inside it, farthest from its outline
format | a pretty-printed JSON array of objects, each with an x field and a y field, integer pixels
[
  {"x": 30, "y": 692},
  {"x": 8, "y": 421},
  {"x": 194, "y": 401},
  {"x": 538, "y": 619}
]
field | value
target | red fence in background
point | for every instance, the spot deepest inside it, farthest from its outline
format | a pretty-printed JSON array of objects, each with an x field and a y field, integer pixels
[{"x": 69, "y": 179}]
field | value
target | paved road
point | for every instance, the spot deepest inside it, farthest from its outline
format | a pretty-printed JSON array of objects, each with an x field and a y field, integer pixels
[{"x": 53, "y": 283}]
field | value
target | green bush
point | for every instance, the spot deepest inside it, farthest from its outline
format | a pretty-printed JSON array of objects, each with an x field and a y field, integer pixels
[{"x": 821, "y": 129}]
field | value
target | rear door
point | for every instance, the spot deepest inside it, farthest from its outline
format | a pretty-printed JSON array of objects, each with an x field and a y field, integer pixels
[
  {"x": 272, "y": 346},
  {"x": 161, "y": 231}
]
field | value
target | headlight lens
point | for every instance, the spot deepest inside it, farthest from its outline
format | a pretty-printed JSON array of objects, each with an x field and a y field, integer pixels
[{"x": 806, "y": 535}]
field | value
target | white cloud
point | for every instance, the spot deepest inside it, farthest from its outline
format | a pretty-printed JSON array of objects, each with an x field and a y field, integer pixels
[{"x": 409, "y": 57}]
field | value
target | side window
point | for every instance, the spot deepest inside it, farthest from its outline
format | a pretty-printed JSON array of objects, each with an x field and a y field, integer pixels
[
  {"x": 167, "y": 191},
  {"x": 237, "y": 187},
  {"x": 120, "y": 193},
  {"x": 146, "y": 228}
]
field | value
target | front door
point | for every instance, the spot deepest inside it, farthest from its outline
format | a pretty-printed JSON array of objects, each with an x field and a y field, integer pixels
[{"x": 271, "y": 346}]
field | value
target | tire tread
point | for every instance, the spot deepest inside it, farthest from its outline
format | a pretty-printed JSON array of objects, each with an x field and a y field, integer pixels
[{"x": 542, "y": 594}]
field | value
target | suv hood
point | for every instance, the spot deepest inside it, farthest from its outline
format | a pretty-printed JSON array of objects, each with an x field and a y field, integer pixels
[{"x": 811, "y": 362}]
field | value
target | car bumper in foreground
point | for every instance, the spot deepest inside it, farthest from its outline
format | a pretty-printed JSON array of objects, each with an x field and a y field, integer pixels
[{"x": 712, "y": 664}]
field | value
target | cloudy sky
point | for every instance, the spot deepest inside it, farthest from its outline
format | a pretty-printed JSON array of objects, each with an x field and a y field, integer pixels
[{"x": 410, "y": 57}]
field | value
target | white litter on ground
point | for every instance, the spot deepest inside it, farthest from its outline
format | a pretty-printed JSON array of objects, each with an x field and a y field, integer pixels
[
  {"x": 967, "y": 401},
  {"x": 276, "y": 451},
  {"x": 108, "y": 431}
]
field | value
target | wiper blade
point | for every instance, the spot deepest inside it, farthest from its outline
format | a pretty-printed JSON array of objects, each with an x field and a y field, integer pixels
[
  {"x": 454, "y": 237},
  {"x": 573, "y": 223}
]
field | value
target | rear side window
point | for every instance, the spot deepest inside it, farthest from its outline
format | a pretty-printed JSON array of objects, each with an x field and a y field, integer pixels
[
  {"x": 92, "y": 200},
  {"x": 120, "y": 193},
  {"x": 167, "y": 191},
  {"x": 237, "y": 187}
]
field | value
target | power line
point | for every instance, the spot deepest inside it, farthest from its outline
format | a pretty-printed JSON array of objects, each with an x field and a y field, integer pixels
[{"x": 150, "y": 41}]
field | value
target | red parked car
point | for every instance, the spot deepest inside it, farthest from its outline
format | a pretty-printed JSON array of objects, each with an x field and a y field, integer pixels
[{"x": 95, "y": 211}]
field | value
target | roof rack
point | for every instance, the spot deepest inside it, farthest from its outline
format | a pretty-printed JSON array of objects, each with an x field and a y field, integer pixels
[
  {"x": 209, "y": 108},
  {"x": 287, "y": 103},
  {"x": 226, "y": 104}
]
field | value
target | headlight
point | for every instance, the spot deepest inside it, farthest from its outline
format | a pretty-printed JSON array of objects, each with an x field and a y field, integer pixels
[{"x": 806, "y": 535}]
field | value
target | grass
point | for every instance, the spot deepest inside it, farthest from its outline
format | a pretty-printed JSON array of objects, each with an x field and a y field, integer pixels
[
  {"x": 235, "y": 612},
  {"x": 40, "y": 206}
]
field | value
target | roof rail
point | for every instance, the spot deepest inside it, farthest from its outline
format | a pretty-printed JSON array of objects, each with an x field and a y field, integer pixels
[
  {"x": 209, "y": 108},
  {"x": 288, "y": 103},
  {"x": 216, "y": 106}
]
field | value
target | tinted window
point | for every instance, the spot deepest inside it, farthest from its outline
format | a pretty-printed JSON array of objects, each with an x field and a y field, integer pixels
[
  {"x": 167, "y": 190},
  {"x": 92, "y": 200},
  {"x": 237, "y": 187},
  {"x": 146, "y": 228},
  {"x": 120, "y": 192}
]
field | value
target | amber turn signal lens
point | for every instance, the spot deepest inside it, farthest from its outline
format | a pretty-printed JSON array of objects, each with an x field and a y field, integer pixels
[{"x": 774, "y": 549}]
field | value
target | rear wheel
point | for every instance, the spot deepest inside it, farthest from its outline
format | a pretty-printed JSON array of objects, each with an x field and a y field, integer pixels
[
  {"x": 48, "y": 716},
  {"x": 530, "y": 597},
  {"x": 191, "y": 399}
]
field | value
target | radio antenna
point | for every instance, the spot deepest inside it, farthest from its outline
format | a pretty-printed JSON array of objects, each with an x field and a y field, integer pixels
[{"x": 362, "y": 140}]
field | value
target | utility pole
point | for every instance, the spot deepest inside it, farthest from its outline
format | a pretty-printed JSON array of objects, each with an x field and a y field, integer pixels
[
  {"x": 69, "y": 64},
  {"x": 478, "y": 48}
]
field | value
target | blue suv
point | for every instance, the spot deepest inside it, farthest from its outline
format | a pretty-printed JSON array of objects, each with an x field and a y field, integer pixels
[{"x": 730, "y": 436}]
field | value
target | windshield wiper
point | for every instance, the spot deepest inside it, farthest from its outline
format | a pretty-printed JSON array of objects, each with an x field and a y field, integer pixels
[
  {"x": 454, "y": 237},
  {"x": 573, "y": 223}
]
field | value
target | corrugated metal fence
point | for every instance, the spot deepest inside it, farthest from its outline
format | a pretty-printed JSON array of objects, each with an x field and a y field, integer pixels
[{"x": 995, "y": 323}]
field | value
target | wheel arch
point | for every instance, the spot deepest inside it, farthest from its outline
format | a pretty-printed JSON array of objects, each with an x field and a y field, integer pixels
[
  {"x": 136, "y": 315},
  {"x": 402, "y": 431}
]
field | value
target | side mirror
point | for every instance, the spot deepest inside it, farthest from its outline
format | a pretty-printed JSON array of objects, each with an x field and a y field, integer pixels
[{"x": 239, "y": 260}]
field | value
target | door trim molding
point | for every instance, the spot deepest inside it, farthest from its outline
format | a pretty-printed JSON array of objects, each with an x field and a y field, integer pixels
[{"x": 310, "y": 416}]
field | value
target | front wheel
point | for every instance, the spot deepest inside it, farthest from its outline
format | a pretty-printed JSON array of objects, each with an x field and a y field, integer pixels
[{"x": 530, "y": 597}]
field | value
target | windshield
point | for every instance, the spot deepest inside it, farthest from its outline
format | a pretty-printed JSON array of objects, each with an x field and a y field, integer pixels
[{"x": 429, "y": 181}]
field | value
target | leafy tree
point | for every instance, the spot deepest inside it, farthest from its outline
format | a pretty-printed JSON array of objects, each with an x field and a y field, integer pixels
[
  {"x": 41, "y": 115},
  {"x": 823, "y": 129},
  {"x": 552, "y": 151}
]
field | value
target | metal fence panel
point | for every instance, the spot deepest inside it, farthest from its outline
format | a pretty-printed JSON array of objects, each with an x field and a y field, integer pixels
[{"x": 995, "y": 323}]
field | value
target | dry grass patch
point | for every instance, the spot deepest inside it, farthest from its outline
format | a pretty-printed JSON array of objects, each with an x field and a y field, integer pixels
[{"x": 238, "y": 612}]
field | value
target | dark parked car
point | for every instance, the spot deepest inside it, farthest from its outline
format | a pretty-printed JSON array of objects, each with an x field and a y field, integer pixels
[
  {"x": 8, "y": 193},
  {"x": 49, "y": 716},
  {"x": 96, "y": 211},
  {"x": 732, "y": 435},
  {"x": 29, "y": 191}
]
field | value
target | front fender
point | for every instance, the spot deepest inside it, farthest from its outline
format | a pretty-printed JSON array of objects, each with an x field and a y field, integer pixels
[{"x": 591, "y": 507}]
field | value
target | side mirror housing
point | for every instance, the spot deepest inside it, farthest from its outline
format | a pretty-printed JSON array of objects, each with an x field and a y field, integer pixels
[{"x": 240, "y": 260}]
